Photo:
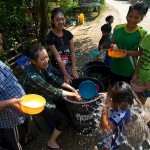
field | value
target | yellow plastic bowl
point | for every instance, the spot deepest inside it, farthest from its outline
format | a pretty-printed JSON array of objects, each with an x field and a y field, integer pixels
[
  {"x": 32, "y": 103},
  {"x": 116, "y": 53}
]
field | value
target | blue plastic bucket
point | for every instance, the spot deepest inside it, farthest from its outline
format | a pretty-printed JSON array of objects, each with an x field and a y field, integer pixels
[{"x": 88, "y": 89}]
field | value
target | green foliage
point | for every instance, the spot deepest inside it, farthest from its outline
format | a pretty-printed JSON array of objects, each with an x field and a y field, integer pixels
[
  {"x": 10, "y": 18},
  {"x": 14, "y": 22},
  {"x": 67, "y": 4}
]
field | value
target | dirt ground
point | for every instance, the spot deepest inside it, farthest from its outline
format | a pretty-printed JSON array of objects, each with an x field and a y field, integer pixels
[{"x": 86, "y": 38}]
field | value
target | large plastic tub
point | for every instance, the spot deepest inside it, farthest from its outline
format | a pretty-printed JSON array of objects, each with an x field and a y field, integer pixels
[
  {"x": 84, "y": 114},
  {"x": 99, "y": 72}
]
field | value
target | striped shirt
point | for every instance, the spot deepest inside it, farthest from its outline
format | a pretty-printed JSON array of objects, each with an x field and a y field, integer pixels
[{"x": 10, "y": 88}]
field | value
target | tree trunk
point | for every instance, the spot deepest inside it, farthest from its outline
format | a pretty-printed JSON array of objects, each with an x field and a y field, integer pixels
[{"x": 44, "y": 21}]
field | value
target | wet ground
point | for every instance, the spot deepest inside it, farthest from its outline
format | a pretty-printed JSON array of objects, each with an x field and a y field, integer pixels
[{"x": 86, "y": 39}]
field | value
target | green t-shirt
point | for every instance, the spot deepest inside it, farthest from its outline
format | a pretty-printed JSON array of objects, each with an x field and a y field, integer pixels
[
  {"x": 144, "y": 69},
  {"x": 129, "y": 41}
]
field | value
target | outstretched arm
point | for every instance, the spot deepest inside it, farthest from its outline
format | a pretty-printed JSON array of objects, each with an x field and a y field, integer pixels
[
  {"x": 137, "y": 66},
  {"x": 73, "y": 59},
  {"x": 14, "y": 102},
  {"x": 105, "y": 123},
  {"x": 69, "y": 87}
]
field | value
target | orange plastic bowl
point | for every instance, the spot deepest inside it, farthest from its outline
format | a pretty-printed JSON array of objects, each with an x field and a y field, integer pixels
[
  {"x": 116, "y": 53},
  {"x": 32, "y": 103}
]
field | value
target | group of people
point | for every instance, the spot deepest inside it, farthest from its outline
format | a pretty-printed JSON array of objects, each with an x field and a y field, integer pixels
[
  {"x": 38, "y": 80},
  {"x": 135, "y": 64},
  {"x": 55, "y": 85}
]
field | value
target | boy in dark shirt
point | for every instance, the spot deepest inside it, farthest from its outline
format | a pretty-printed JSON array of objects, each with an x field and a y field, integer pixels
[{"x": 104, "y": 43}]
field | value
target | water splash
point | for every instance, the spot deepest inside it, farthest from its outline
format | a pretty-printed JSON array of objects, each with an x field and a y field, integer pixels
[{"x": 137, "y": 131}]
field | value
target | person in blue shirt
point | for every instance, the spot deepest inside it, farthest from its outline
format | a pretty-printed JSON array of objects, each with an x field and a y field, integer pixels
[
  {"x": 105, "y": 42},
  {"x": 13, "y": 123},
  {"x": 115, "y": 114}
]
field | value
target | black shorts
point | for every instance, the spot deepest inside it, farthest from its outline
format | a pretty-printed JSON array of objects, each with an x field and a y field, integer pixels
[
  {"x": 13, "y": 138},
  {"x": 57, "y": 115}
]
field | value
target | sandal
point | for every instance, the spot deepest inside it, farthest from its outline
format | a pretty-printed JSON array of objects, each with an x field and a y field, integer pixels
[
  {"x": 59, "y": 148},
  {"x": 55, "y": 148}
]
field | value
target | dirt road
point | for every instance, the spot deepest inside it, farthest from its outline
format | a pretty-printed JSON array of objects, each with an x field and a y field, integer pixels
[
  {"x": 122, "y": 7},
  {"x": 86, "y": 37},
  {"x": 116, "y": 8}
]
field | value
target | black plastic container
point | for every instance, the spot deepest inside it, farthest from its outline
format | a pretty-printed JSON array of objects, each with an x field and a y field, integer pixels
[
  {"x": 100, "y": 72},
  {"x": 94, "y": 63},
  {"x": 83, "y": 113}
]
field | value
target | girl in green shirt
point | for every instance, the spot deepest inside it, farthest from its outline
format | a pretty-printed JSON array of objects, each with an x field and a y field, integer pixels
[
  {"x": 127, "y": 37},
  {"x": 142, "y": 71}
]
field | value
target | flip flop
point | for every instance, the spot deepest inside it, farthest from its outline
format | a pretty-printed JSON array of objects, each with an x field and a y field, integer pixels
[{"x": 54, "y": 148}]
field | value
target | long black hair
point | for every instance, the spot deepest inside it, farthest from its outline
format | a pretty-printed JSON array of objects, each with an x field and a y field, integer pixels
[
  {"x": 121, "y": 92},
  {"x": 54, "y": 12},
  {"x": 139, "y": 6}
]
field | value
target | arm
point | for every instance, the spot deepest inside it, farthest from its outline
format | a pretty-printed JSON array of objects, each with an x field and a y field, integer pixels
[
  {"x": 37, "y": 82},
  {"x": 128, "y": 53},
  {"x": 73, "y": 59},
  {"x": 105, "y": 123},
  {"x": 67, "y": 86},
  {"x": 112, "y": 39},
  {"x": 147, "y": 86},
  {"x": 113, "y": 45},
  {"x": 133, "y": 53},
  {"x": 137, "y": 66},
  {"x": 60, "y": 63},
  {"x": 10, "y": 103}
]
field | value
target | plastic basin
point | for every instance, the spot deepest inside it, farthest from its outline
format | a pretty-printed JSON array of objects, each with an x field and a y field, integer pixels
[
  {"x": 116, "y": 53},
  {"x": 94, "y": 53},
  {"x": 88, "y": 89},
  {"x": 32, "y": 104}
]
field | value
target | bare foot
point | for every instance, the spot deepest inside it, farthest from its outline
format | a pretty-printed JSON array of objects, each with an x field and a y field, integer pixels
[
  {"x": 52, "y": 144},
  {"x": 95, "y": 148}
]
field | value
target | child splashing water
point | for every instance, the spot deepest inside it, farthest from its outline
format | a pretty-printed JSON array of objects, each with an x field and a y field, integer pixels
[{"x": 115, "y": 114}]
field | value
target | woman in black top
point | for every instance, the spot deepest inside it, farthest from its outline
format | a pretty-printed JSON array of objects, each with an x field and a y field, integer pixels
[{"x": 60, "y": 43}]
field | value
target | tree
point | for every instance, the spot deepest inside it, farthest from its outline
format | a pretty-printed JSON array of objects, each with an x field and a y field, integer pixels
[{"x": 44, "y": 21}]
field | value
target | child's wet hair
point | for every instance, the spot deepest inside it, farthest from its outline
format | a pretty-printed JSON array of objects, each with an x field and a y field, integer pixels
[
  {"x": 106, "y": 28},
  {"x": 34, "y": 51},
  {"x": 121, "y": 92},
  {"x": 107, "y": 19},
  {"x": 139, "y": 6},
  {"x": 54, "y": 12}
]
